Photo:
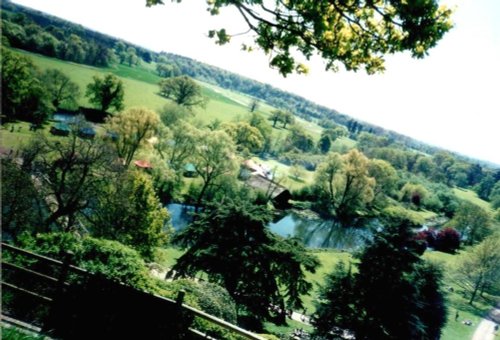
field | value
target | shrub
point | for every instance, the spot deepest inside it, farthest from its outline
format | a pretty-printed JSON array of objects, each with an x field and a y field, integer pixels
[
  {"x": 447, "y": 240},
  {"x": 428, "y": 236}
]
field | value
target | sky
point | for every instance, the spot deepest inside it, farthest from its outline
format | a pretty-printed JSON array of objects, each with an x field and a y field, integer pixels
[{"x": 450, "y": 99}]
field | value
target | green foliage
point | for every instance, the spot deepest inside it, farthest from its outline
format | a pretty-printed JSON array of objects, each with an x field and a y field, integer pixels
[
  {"x": 258, "y": 268},
  {"x": 21, "y": 203},
  {"x": 13, "y": 333},
  {"x": 110, "y": 258},
  {"x": 171, "y": 113},
  {"x": 344, "y": 186},
  {"x": 183, "y": 91},
  {"x": 245, "y": 136},
  {"x": 71, "y": 172},
  {"x": 298, "y": 138},
  {"x": 480, "y": 271},
  {"x": 473, "y": 222},
  {"x": 495, "y": 195},
  {"x": 61, "y": 90},
  {"x": 209, "y": 297},
  {"x": 213, "y": 158},
  {"x": 351, "y": 35},
  {"x": 413, "y": 193},
  {"x": 131, "y": 213},
  {"x": 324, "y": 144},
  {"x": 133, "y": 128},
  {"x": 166, "y": 70},
  {"x": 106, "y": 92},
  {"x": 393, "y": 294},
  {"x": 386, "y": 179},
  {"x": 23, "y": 94}
]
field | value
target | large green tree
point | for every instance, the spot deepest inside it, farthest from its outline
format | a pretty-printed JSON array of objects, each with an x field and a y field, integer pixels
[
  {"x": 473, "y": 222},
  {"x": 130, "y": 212},
  {"x": 344, "y": 186},
  {"x": 106, "y": 92},
  {"x": 231, "y": 243},
  {"x": 245, "y": 136},
  {"x": 23, "y": 94},
  {"x": 22, "y": 208},
  {"x": 480, "y": 270},
  {"x": 183, "y": 91},
  {"x": 393, "y": 294},
  {"x": 355, "y": 34},
  {"x": 61, "y": 89},
  {"x": 133, "y": 128},
  {"x": 178, "y": 144},
  {"x": 213, "y": 158},
  {"x": 70, "y": 174}
]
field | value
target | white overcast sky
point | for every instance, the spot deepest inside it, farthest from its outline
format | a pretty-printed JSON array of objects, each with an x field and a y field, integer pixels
[{"x": 449, "y": 99}]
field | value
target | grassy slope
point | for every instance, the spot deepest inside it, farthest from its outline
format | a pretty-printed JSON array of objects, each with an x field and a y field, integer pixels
[
  {"x": 471, "y": 196},
  {"x": 456, "y": 302}
]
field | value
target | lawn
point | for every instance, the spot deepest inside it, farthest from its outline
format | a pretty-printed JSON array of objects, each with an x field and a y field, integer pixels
[
  {"x": 328, "y": 259},
  {"x": 455, "y": 329},
  {"x": 471, "y": 196}
]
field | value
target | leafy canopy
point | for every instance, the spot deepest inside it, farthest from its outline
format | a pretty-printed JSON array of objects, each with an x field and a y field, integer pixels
[
  {"x": 133, "y": 128},
  {"x": 106, "y": 92},
  {"x": 393, "y": 295},
  {"x": 356, "y": 34},
  {"x": 231, "y": 243},
  {"x": 183, "y": 91}
]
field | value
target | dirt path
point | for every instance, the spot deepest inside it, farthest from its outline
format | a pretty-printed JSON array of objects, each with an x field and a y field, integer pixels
[{"x": 486, "y": 328}]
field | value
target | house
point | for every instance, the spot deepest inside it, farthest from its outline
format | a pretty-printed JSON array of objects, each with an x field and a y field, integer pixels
[
  {"x": 256, "y": 169},
  {"x": 142, "y": 164},
  {"x": 190, "y": 170},
  {"x": 278, "y": 194}
]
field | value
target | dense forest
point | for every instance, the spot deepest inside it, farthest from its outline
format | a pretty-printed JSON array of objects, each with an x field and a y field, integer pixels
[{"x": 100, "y": 182}]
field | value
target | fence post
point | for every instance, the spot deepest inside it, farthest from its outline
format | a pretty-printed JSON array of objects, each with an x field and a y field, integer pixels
[
  {"x": 57, "y": 302},
  {"x": 180, "y": 298},
  {"x": 63, "y": 274}
]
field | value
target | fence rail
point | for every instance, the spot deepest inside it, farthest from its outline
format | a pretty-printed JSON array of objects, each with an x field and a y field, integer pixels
[{"x": 79, "y": 304}]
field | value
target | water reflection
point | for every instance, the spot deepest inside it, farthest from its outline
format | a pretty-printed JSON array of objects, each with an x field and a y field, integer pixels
[
  {"x": 321, "y": 233},
  {"x": 315, "y": 233},
  {"x": 180, "y": 215}
]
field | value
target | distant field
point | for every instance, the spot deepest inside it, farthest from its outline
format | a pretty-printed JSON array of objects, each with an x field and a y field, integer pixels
[{"x": 472, "y": 197}]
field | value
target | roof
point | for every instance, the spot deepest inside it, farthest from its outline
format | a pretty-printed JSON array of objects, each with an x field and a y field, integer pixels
[
  {"x": 87, "y": 131},
  {"x": 62, "y": 127},
  {"x": 262, "y": 183},
  {"x": 143, "y": 164},
  {"x": 190, "y": 167},
  {"x": 256, "y": 168}
]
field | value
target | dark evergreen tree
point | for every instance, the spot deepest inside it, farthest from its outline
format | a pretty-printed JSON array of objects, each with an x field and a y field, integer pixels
[
  {"x": 263, "y": 272},
  {"x": 324, "y": 144},
  {"x": 396, "y": 295}
]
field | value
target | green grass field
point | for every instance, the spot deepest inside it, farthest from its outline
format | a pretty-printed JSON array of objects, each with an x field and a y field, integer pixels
[
  {"x": 455, "y": 329},
  {"x": 471, "y": 196}
]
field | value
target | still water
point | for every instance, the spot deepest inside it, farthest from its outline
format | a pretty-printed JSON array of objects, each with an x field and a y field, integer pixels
[{"x": 314, "y": 233}]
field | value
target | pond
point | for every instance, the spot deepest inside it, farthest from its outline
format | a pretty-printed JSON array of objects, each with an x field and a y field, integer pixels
[{"x": 313, "y": 232}]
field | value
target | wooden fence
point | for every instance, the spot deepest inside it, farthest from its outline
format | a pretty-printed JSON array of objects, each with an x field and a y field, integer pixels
[{"x": 68, "y": 302}]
